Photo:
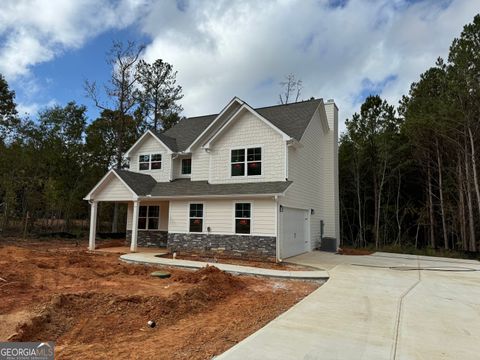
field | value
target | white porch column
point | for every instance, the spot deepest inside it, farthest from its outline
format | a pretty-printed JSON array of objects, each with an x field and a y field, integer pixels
[
  {"x": 133, "y": 245},
  {"x": 93, "y": 225}
]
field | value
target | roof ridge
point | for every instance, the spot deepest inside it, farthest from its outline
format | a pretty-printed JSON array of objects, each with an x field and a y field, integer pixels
[{"x": 294, "y": 103}]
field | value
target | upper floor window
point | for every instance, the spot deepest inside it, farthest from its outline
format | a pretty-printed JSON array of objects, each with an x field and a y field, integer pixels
[
  {"x": 186, "y": 166},
  {"x": 148, "y": 217},
  {"x": 246, "y": 162},
  {"x": 150, "y": 162}
]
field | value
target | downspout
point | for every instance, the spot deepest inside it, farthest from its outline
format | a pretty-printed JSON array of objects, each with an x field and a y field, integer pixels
[{"x": 277, "y": 223}]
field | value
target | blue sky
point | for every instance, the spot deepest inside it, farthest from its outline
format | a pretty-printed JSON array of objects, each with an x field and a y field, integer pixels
[{"x": 341, "y": 49}]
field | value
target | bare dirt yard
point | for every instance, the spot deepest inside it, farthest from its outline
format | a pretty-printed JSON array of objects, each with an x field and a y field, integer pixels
[{"x": 96, "y": 307}]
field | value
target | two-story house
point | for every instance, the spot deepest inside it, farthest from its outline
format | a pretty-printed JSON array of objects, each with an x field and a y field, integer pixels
[{"x": 255, "y": 183}]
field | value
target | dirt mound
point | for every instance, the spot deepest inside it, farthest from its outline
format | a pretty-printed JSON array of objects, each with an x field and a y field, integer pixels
[
  {"x": 62, "y": 313},
  {"x": 213, "y": 280}
]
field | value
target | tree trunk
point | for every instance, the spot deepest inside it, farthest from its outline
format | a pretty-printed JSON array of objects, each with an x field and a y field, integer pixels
[
  {"x": 378, "y": 206},
  {"x": 397, "y": 211},
  {"x": 474, "y": 167},
  {"x": 359, "y": 203},
  {"x": 430, "y": 208},
  {"x": 442, "y": 204},
  {"x": 461, "y": 205},
  {"x": 471, "y": 224},
  {"x": 375, "y": 212}
]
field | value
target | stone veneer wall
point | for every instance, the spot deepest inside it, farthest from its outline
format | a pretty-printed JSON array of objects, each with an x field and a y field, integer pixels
[
  {"x": 149, "y": 238},
  {"x": 235, "y": 246}
]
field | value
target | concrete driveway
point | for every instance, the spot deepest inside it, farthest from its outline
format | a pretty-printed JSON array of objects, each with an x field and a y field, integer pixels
[{"x": 370, "y": 311}]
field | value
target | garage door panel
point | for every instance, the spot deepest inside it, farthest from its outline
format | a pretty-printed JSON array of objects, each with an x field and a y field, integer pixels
[{"x": 294, "y": 239}]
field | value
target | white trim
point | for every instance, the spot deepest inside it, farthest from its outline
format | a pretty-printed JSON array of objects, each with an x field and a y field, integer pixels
[
  {"x": 150, "y": 161},
  {"x": 277, "y": 230},
  {"x": 203, "y": 217},
  {"x": 134, "y": 239},
  {"x": 245, "y": 162},
  {"x": 235, "y": 99},
  {"x": 252, "y": 229},
  {"x": 148, "y": 217},
  {"x": 245, "y": 106},
  {"x": 182, "y": 175},
  {"x": 89, "y": 195},
  {"x": 93, "y": 226},
  {"x": 211, "y": 196},
  {"x": 127, "y": 153}
]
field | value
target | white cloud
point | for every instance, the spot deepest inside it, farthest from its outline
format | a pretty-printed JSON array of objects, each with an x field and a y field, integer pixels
[
  {"x": 223, "y": 49},
  {"x": 230, "y": 48},
  {"x": 35, "y": 31},
  {"x": 38, "y": 31}
]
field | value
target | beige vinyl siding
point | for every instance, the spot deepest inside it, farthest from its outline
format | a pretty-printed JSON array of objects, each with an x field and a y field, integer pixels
[
  {"x": 200, "y": 165},
  {"x": 112, "y": 190},
  {"x": 305, "y": 168},
  {"x": 219, "y": 216},
  {"x": 245, "y": 131},
  {"x": 150, "y": 145},
  {"x": 164, "y": 209},
  {"x": 330, "y": 189},
  {"x": 177, "y": 168},
  {"x": 313, "y": 168}
]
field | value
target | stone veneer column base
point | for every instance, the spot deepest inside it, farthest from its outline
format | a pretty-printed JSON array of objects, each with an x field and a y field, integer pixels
[
  {"x": 234, "y": 246},
  {"x": 148, "y": 238}
]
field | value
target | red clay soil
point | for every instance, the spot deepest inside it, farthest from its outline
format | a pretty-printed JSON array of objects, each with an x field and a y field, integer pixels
[
  {"x": 355, "y": 251},
  {"x": 95, "y": 306},
  {"x": 259, "y": 264}
]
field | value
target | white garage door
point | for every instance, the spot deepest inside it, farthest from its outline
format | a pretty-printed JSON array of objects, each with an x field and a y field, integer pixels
[{"x": 294, "y": 239}]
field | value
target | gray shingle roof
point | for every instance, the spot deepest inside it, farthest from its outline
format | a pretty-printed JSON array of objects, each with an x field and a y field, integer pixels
[
  {"x": 187, "y": 130},
  {"x": 292, "y": 119},
  {"x": 143, "y": 185},
  {"x": 167, "y": 140},
  {"x": 185, "y": 187}
]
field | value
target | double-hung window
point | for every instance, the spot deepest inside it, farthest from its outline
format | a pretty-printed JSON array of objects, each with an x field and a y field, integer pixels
[
  {"x": 246, "y": 162},
  {"x": 148, "y": 217},
  {"x": 243, "y": 213},
  {"x": 196, "y": 218},
  {"x": 150, "y": 162}
]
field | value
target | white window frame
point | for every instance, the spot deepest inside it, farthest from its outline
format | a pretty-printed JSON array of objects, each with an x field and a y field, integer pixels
[
  {"x": 150, "y": 161},
  {"x": 148, "y": 217},
  {"x": 181, "y": 167},
  {"x": 235, "y": 217},
  {"x": 245, "y": 162},
  {"x": 195, "y": 217}
]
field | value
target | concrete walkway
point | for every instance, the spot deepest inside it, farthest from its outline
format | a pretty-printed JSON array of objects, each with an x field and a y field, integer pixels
[
  {"x": 370, "y": 311},
  {"x": 151, "y": 259}
]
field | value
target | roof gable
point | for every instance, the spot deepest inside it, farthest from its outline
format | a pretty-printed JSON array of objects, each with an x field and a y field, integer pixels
[
  {"x": 291, "y": 119},
  {"x": 167, "y": 142}
]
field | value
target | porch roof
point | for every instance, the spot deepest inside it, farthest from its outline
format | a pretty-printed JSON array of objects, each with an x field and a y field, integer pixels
[{"x": 145, "y": 185}]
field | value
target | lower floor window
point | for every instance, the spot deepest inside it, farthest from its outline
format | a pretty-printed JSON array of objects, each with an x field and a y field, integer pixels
[
  {"x": 148, "y": 217},
  {"x": 242, "y": 218},
  {"x": 196, "y": 218}
]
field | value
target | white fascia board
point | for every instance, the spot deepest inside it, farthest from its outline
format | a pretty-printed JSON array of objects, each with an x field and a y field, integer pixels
[
  {"x": 236, "y": 196},
  {"x": 89, "y": 195},
  {"x": 247, "y": 107},
  {"x": 149, "y": 132},
  {"x": 235, "y": 99}
]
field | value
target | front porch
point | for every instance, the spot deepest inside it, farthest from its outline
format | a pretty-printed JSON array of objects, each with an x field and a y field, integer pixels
[{"x": 146, "y": 225}]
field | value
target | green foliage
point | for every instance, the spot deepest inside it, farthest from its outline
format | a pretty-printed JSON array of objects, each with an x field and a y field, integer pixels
[
  {"x": 428, "y": 158},
  {"x": 159, "y": 94}
]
